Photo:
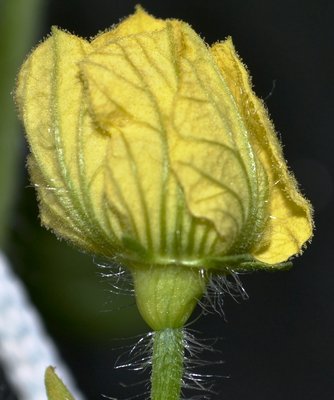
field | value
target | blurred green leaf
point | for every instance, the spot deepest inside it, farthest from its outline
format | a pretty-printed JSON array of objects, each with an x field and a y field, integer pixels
[
  {"x": 55, "y": 388},
  {"x": 19, "y": 23}
]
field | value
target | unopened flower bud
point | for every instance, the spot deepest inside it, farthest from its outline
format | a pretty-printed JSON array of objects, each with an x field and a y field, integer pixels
[{"x": 149, "y": 146}]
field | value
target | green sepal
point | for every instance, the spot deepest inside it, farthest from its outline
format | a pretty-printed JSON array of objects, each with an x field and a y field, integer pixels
[
  {"x": 55, "y": 388},
  {"x": 244, "y": 263}
]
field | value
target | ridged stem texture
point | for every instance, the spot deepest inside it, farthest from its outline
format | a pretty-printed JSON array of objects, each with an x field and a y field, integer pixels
[{"x": 167, "y": 364}]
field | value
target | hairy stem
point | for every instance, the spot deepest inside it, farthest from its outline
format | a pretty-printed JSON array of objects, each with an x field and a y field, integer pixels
[{"x": 167, "y": 364}]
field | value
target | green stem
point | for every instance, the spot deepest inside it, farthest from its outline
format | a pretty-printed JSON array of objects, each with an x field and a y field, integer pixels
[{"x": 167, "y": 364}]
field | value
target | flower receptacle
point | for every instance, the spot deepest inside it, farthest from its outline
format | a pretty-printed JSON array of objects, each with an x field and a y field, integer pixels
[{"x": 166, "y": 295}]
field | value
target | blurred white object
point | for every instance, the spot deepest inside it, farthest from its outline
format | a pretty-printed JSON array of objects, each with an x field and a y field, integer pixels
[{"x": 25, "y": 348}]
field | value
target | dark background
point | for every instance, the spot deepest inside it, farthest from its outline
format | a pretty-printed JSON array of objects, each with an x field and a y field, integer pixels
[{"x": 279, "y": 343}]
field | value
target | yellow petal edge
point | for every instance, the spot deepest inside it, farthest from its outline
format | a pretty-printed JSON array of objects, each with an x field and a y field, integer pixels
[{"x": 290, "y": 222}]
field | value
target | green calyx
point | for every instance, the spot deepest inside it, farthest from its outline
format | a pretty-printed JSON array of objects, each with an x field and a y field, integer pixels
[{"x": 167, "y": 295}]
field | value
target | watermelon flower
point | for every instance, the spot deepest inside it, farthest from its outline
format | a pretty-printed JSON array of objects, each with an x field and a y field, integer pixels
[{"x": 150, "y": 148}]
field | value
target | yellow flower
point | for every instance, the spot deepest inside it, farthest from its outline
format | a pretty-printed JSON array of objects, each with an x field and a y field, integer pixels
[{"x": 149, "y": 146}]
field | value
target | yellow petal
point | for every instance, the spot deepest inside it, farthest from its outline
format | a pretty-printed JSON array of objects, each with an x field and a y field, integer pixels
[
  {"x": 131, "y": 86},
  {"x": 67, "y": 154},
  {"x": 290, "y": 222},
  {"x": 210, "y": 151},
  {"x": 139, "y": 22},
  {"x": 129, "y": 90}
]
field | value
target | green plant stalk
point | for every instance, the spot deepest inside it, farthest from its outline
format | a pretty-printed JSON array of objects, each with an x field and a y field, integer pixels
[{"x": 167, "y": 364}]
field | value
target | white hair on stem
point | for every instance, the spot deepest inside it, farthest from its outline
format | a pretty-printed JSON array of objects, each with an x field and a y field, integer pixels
[{"x": 218, "y": 287}]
